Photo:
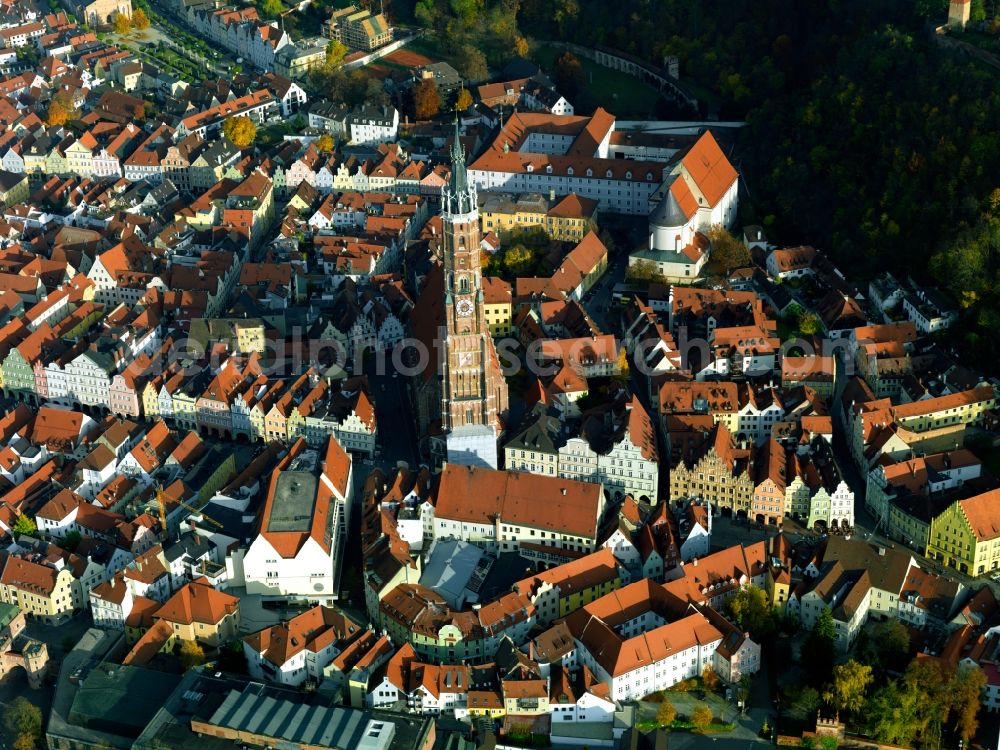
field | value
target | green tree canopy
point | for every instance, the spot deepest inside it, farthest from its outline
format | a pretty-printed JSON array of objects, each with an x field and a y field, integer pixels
[
  {"x": 271, "y": 8},
  {"x": 850, "y": 684},
  {"x": 821, "y": 645},
  {"x": 22, "y": 717},
  {"x": 25, "y": 525},
  {"x": 750, "y": 609},
  {"x": 335, "y": 52}
]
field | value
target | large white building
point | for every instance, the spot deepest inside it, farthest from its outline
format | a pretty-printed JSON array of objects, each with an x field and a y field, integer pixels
[
  {"x": 303, "y": 527},
  {"x": 630, "y": 466},
  {"x": 562, "y": 154},
  {"x": 642, "y": 639},
  {"x": 545, "y": 518},
  {"x": 700, "y": 192},
  {"x": 373, "y": 125}
]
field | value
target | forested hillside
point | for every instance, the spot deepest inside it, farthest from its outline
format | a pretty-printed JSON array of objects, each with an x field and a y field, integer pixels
[{"x": 866, "y": 138}]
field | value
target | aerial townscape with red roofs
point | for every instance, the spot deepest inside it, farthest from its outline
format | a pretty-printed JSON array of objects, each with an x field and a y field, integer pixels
[{"x": 458, "y": 374}]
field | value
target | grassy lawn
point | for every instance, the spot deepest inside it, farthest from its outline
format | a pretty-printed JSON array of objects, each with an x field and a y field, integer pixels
[{"x": 620, "y": 94}]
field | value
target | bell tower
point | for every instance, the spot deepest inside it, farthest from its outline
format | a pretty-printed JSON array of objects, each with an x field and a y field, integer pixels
[{"x": 473, "y": 392}]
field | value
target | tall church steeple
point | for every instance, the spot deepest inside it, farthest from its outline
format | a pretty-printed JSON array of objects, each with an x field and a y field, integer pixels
[
  {"x": 459, "y": 197},
  {"x": 473, "y": 391}
]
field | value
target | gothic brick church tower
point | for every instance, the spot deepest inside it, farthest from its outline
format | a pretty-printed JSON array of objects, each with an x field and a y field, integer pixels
[{"x": 473, "y": 390}]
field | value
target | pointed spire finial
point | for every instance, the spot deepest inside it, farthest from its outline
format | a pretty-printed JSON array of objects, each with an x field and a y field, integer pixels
[{"x": 459, "y": 176}]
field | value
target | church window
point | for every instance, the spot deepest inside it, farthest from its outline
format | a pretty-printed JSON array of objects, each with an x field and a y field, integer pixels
[
  {"x": 463, "y": 285},
  {"x": 468, "y": 416}
]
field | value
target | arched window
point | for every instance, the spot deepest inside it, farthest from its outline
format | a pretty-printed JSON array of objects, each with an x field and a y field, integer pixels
[
  {"x": 608, "y": 173},
  {"x": 463, "y": 285},
  {"x": 628, "y": 175},
  {"x": 569, "y": 171},
  {"x": 590, "y": 172}
]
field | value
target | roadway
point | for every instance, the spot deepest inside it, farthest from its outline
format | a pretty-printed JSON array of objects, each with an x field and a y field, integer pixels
[
  {"x": 397, "y": 434},
  {"x": 598, "y": 302}
]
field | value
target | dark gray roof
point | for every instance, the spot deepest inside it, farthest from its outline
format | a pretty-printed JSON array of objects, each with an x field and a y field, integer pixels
[
  {"x": 10, "y": 179},
  {"x": 668, "y": 213},
  {"x": 540, "y": 432},
  {"x": 191, "y": 544}
]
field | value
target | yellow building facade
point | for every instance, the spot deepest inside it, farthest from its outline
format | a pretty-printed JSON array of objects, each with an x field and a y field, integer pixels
[
  {"x": 966, "y": 535},
  {"x": 567, "y": 219}
]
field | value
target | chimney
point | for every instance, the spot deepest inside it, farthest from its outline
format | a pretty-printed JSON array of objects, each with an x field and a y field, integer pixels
[{"x": 695, "y": 562}]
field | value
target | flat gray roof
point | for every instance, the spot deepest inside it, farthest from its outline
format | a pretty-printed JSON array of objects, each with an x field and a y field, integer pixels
[{"x": 294, "y": 499}]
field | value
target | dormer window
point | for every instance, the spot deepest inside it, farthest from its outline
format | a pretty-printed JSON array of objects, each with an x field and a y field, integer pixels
[
  {"x": 628, "y": 175},
  {"x": 548, "y": 169},
  {"x": 569, "y": 171},
  {"x": 531, "y": 167},
  {"x": 590, "y": 172},
  {"x": 608, "y": 173}
]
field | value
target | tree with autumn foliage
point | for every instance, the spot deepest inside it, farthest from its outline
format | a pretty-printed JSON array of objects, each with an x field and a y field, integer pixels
[
  {"x": 324, "y": 144},
  {"x": 850, "y": 683},
  {"x": 965, "y": 690},
  {"x": 241, "y": 131},
  {"x": 727, "y": 251},
  {"x": 426, "y": 100},
  {"x": 701, "y": 717},
  {"x": 61, "y": 109},
  {"x": 121, "y": 24},
  {"x": 191, "y": 654},
  {"x": 335, "y": 52},
  {"x": 57, "y": 114},
  {"x": 569, "y": 75},
  {"x": 464, "y": 100},
  {"x": 710, "y": 679},
  {"x": 666, "y": 714},
  {"x": 140, "y": 20}
]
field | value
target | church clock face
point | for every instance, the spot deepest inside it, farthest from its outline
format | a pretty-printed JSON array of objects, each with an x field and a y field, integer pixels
[{"x": 464, "y": 308}]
